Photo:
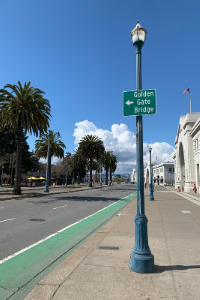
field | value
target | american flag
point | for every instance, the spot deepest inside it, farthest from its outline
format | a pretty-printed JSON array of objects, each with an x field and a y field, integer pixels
[{"x": 186, "y": 91}]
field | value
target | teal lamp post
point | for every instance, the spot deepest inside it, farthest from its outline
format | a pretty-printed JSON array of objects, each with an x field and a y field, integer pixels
[
  {"x": 46, "y": 190},
  {"x": 2, "y": 177},
  {"x": 100, "y": 171},
  {"x": 151, "y": 178},
  {"x": 66, "y": 170},
  {"x": 141, "y": 259}
]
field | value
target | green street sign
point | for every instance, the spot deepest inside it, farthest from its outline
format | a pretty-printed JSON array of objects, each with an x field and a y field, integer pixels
[{"x": 136, "y": 103}]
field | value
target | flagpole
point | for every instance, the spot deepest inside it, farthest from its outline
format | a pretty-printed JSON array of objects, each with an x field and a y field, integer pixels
[{"x": 190, "y": 101}]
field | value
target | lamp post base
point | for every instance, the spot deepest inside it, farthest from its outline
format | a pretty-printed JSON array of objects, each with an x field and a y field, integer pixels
[
  {"x": 46, "y": 190},
  {"x": 142, "y": 263}
]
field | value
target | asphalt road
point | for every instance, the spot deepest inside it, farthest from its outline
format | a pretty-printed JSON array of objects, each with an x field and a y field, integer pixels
[{"x": 57, "y": 212}]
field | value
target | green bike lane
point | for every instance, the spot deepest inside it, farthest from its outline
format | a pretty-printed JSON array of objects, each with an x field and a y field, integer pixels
[{"x": 21, "y": 273}]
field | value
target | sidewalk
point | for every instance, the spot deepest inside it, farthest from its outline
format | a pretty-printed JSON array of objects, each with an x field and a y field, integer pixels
[
  {"x": 6, "y": 194},
  {"x": 174, "y": 239}
]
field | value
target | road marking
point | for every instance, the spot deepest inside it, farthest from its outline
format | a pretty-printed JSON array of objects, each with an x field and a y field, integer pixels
[
  {"x": 186, "y": 212},
  {"x": 59, "y": 207},
  {"x": 1, "y": 207},
  {"x": 59, "y": 231},
  {"x": 7, "y": 220}
]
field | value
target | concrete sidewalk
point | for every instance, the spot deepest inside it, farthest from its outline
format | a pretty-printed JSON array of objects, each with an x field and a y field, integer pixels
[{"x": 174, "y": 239}]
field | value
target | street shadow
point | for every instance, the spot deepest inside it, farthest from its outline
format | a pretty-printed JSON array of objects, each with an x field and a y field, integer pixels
[
  {"x": 87, "y": 198},
  {"x": 161, "y": 269}
]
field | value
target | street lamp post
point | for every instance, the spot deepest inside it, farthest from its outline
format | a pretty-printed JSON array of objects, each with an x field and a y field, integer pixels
[
  {"x": 66, "y": 170},
  {"x": 151, "y": 178},
  {"x": 100, "y": 171},
  {"x": 109, "y": 175},
  {"x": 47, "y": 171},
  {"x": 2, "y": 177},
  {"x": 141, "y": 259},
  {"x": 31, "y": 178},
  {"x": 86, "y": 175}
]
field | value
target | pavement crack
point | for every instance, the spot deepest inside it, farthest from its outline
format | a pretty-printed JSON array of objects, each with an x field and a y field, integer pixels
[{"x": 7, "y": 288}]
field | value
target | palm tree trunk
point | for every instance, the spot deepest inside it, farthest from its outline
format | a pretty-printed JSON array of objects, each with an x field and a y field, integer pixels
[
  {"x": 17, "y": 187},
  {"x": 110, "y": 176},
  {"x": 90, "y": 184},
  {"x": 79, "y": 177},
  {"x": 11, "y": 177},
  {"x": 49, "y": 170},
  {"x": 106, "y": 175}
]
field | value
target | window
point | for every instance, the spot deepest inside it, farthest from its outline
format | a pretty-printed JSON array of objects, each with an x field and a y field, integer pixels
[
  {"x": 170, "y": 169},
  {"x": 173, "y": 170}
]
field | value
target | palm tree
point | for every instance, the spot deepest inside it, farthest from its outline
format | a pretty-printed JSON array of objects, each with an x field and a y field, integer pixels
[
  {"x": 106, "y": 162},
  {"x": 24, "y": 109},
  {"x": 78, "y": 164},
  {"x": 91, "y": 147},
  {"x": 56, "y": 147},
  {"x": 113, "y": 165}
]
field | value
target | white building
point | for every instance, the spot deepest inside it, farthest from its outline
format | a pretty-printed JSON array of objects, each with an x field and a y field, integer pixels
[
  {"x": 134, "y": 175},
  {"x": 162, "y": 173},
  {"x": 187, "y": 152},
  {"x": 147, "y": 172}
]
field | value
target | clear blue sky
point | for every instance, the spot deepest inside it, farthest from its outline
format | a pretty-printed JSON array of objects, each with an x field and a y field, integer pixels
[{"x": 80, "y": 53}]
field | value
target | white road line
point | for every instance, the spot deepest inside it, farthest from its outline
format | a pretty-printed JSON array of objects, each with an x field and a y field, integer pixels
[
  {"x": 1, "y": 207},
  {"x": 7, "y": 220},
  {"x": 59, "y": 207},
  {"x": 48, "y": 237}
]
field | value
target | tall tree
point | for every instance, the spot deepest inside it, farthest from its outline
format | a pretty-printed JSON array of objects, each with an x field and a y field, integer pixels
[
  {"x": 107, "y": 162},
  {"x": 8, "y": 149},
  {"x": 23, "y": 109},
  {"x": 78, "y": 164},
  {"x": 113, "y": 165},
  {"x": 91, "y": 147},
  {"x": 56, "y": 147}
]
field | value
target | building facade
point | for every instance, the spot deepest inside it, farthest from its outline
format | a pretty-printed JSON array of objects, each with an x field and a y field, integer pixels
[
  {"x": 187, "y": 152},
  {"x": 134, "y": 175},
  {"x": 162, "y": 173}
]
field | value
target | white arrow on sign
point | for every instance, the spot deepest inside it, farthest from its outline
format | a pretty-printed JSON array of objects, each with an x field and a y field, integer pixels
[{"x": 129, "y": 102}]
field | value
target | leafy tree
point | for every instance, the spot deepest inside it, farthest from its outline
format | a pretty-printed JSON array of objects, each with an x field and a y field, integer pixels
[
  {"x": 8, "y": 149},
  {"x": 61, "y": 165},
  {"x": 23, "y": 109},
  {"x": 91, "y": 147},
  {"x": 56, "y": 147}
]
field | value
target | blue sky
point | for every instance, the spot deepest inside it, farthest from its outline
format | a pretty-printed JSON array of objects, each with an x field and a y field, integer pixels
[{"x": 80, "y": 53}]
